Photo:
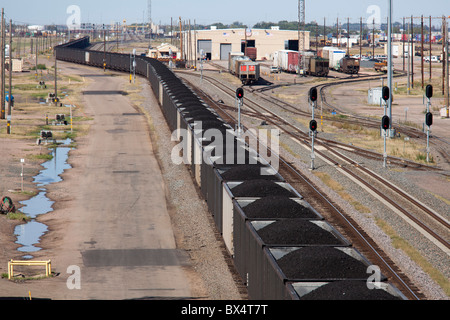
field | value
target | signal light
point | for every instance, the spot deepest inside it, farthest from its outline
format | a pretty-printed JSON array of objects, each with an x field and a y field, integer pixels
[
  {"x": 385, "y": 123},
  {"x": 429, "y": 91},
  {"x": 313, "y": 94},
  {"x": 313, "y": 125},
  {"x": 429, "y": 119},
  {"x": 46, "y": 134},
  {"x": 240, "y": 93},
  {"x": 386, "y": 93}
]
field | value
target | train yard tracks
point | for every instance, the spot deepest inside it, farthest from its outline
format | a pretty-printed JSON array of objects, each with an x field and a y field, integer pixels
[{"x": 427, "y": 222}]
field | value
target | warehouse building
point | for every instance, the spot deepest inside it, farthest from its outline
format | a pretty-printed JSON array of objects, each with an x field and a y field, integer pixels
[{"x": 218, "y": 43}]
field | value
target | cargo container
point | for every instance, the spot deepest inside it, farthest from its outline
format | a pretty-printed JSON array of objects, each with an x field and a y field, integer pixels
[
  {"x": 334, "y": 55},
  {"x": 231, "y": 57},
  {"x": 252, "y": 53},
  {"x": 287, "y": 60},
  {"x": 316, "y": 66}
]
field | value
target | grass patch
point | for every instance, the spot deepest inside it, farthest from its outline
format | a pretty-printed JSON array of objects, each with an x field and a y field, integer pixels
[
  {"x": 402, "y": 244},
  {"x": 19, "y": 216},
  {"x": 340, "y": 190},
  {"x": 423, "y": 157},
  {"x": 46, "y": 157}
]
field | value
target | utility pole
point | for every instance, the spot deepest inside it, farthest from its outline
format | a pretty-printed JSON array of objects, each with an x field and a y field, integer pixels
[
  {"x": 409, "y": 64},
  {"x": 373, "y": 38},
  {"x": 444, "y": 55},
  {"x": 430, "y": 50},
  {"x": 360, "y": 38},
  {"x": 10, "y": 98},
  {"x": 403, "y": 42},
  {"x": 390, "y": 65},
  {"x": 56, "y": 81},
  {"x": 421, "y": 50},
  {"x": 104, "y": 48},
  {"x": 149, "y": 12},
  {"x": 337, "y": 33},
  {"x": 412, "y": 52},
  {"x": 447, "y": 93},
  {"x": 181, "y": 41},
  {"x": 348, "y": 36},
  {"x": 2, "y": 55},
  {"x": 36, "y": 52}
]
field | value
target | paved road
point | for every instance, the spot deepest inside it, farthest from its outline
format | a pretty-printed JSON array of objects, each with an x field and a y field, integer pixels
[{"x": 112, "y": 221}]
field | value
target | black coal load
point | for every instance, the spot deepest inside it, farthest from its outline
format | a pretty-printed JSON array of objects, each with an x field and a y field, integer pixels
[
  {"x": 319, "y": 263},
  {"x": 247, "y": 172},
  {"x": 212, "y": 123},
  {"x": 348, "y": 290},
  {"x": 194, "y": 114},
  {"x": 277, "y": 207},
  {"x": 260, "y": 188},
  {"x": 234, "y": 155},
  {"x": 296, "y": 232}
]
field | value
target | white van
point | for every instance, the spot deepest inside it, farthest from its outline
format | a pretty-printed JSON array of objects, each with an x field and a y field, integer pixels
[
  {"x": 433, "y": 59},
  {"x": 381, "y": 57}
]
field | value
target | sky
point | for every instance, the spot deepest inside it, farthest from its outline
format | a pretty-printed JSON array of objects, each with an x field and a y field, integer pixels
[{"x": 206, "y": 12}]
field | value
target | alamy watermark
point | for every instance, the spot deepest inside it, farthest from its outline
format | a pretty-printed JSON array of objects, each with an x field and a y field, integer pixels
[
  {"x": 374, "y": 18},
  {"x": 374, "y": 280},
  {"x": 253, "y": 146},
  {"x": 73, "y": 22},
  {"x": 74, "y": 280}
]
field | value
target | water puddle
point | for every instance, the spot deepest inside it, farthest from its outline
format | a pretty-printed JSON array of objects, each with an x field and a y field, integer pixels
[{"x": 29, "y": 234}]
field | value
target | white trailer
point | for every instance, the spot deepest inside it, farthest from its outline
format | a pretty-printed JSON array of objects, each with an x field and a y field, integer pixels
[{"x": 334, "y": 55}]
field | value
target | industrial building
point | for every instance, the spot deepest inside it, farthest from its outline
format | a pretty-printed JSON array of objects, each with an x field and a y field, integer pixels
[{"x": 218, "y": 43}]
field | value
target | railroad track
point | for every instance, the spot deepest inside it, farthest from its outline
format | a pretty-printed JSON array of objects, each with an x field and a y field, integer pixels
[
  {"x": 402, "y": 163},
  {"x": 363, "y": 176},
  {"x": 439, "y": 145}
]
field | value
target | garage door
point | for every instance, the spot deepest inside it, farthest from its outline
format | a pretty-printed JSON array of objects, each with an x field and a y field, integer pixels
[
  {"x": 206, "y": 46},
  {"x": 225, "y": 49}
]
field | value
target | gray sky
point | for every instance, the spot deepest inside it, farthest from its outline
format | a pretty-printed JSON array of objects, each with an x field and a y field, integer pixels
[{"x": 207, "y": 12}]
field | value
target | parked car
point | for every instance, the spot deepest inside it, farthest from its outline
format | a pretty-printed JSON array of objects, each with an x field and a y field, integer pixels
[{"x": 274, "y": 70}]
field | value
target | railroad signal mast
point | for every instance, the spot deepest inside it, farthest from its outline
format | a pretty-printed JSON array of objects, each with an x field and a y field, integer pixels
[
  {"x": 428, "y": 117},
  {"x": 385, "y": 121},
  {"x": 240, "y": 102},
  {"x": 313, "y": 123}
]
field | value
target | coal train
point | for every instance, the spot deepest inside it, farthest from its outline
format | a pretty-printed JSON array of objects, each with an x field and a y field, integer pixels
[{"x": 281, "y": 246}]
